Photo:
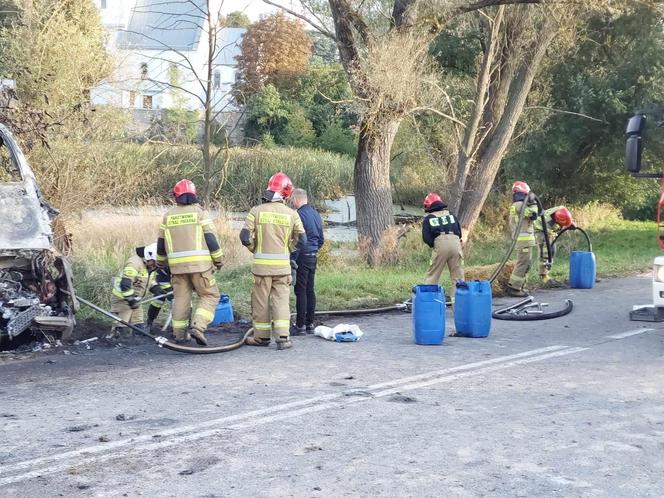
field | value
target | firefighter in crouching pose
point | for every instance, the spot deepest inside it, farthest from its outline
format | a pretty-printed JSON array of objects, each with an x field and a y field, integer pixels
[
  {"x": 160, "y": 287},
  {"x": 129, "y": 288},
  {"x": 188, "y": 245}
]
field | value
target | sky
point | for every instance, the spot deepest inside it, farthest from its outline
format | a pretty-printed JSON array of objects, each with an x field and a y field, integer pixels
[{"x": 253, "y": 8}]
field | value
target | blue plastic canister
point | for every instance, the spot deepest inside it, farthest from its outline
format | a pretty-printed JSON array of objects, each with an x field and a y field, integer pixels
[
  {"x": 582, "y": 270},
  {"x": 428, "y": 314},
  {"x": 224, "y": 311},
  {"x": 472, "y": 308}
]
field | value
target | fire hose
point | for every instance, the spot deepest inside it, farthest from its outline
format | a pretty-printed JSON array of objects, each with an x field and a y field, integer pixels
[{"x": 161, "y": 341}]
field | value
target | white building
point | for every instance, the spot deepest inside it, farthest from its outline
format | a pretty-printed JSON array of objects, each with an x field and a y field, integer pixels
[{"x": 161, "y": 53}]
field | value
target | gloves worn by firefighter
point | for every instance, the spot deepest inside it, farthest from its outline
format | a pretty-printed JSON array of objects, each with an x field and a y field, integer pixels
[
  {"x": 293, "y": 272},
  {"x": 133, "y": 301},
  {"x": 156, "y": 290}
]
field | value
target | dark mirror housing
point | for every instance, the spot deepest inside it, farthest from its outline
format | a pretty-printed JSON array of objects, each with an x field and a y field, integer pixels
[{"x": 634, "y": 146}]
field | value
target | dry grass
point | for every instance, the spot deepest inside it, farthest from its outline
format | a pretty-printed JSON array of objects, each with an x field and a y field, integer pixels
[{"x": 499, "y": 285}]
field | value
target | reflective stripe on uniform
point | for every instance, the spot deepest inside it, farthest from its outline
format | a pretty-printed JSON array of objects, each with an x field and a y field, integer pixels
[
  {"x": 182, "y": 254},
  {"x": 189, "y": 259},
  {"x": 526, "y": 236},
  {"x": 180, "y": 324},
  {"x": 262, "y": 326},
  {"x": 217, "y": 254},
  {"x": 169, "y": 241},
  {"x": 207, "y": 315},
  {"x": 281, "y": 323},
  {"x": 130, "y": 271},
  {"x": 271, "y": 256},
  {"x": 156, "y": 304},
  {"x": 122, "y": 295}
]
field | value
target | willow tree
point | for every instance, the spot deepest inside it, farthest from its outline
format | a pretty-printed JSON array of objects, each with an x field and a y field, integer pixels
[{"x": 384, "y": 48}]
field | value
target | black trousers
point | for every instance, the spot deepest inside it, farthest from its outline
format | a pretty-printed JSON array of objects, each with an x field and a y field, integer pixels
[{"x": 305, "y": 297}]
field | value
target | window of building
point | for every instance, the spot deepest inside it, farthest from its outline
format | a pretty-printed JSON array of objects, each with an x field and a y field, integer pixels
[
  {"x": 103, "y": 4},
  {"x": 217, "y": 80},
  {"x": 147, "y": 101},
  {"x": 144, "y": 70}
]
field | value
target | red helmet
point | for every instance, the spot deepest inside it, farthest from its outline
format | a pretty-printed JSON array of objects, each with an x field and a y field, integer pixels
[
  {"x": 430, "y": 199},
  {"x": 184, "y": 187},
  {"x": 520, "y": 187},
  {"x": 281, "y": 184},
  {"x": 563, "y": 217}
]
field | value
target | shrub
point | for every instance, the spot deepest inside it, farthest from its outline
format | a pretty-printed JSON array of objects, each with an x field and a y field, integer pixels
[{"x": 337, "y": 138}]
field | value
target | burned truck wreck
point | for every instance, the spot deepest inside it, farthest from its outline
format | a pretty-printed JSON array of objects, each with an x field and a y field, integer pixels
[{"x": 36, "y": 292}]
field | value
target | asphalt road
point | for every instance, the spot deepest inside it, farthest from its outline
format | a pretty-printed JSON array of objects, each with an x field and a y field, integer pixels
[{"x": 568, "y": 407}]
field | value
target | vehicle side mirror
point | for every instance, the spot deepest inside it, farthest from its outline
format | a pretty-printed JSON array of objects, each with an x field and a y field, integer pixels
[{"x": 634, "y": 146}]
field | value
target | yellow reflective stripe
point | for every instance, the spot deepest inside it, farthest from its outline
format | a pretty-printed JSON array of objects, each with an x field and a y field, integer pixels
[
  {"x": 166, "y": 285},
  {"x": 272, "y": 262},
  {"x": 122, "y": 295},
  {"x": 208, "y": 315},
  {"x": 175, "y": 220},
  {"x": 272, "y": 218},
  {"x": 130, "y": 271},
  {"x": 262, "y": 326},
  {"x": 162, "y": 226},
  {"x": 259, "y": 239},
  {"x": 287, "y": 240},
  {"x": 161, "y": 258},
  {"x": 188, "y": 259},
  {"x": 156, "y": 304},
  {"x": 525, "y": 237},
  {"x": 180, "y": 324},
  {"x": 199, "y": 237},
  {"x": 281, "y": 323},
  {"x": 217, "y": 254},
  {"x": 251, "y": 217},
  {"x": 169, "y": 241}
]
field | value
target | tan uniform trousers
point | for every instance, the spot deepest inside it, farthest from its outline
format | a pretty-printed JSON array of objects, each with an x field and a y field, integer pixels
[
  {"x": 120, "y": 308},
  {"x": 446, "y": 252},
  {"x": 270, "y": 307},
  {"x": 523, "y": 263},
  {"x": 205, "y": 286}
]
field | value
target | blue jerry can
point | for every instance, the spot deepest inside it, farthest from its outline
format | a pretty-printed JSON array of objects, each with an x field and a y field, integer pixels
[
  {"x": 428, "y": 314},
  {"x": 224, "y": 311},
  {"x": 582, "y": 270},
  {"x": 472, "y": 308}
]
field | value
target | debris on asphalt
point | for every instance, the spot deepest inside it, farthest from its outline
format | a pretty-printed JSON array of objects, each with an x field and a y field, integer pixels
[
  {"x": 401, "y": 398},
  {"x": 104, "y": 439},
  {"x": 121, "y": 417},
  {"x": 77, "y": 428},
  {"x": 365, "y": 394}
]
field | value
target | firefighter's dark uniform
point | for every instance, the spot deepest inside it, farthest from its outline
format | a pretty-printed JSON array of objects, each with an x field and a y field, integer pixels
[
  {"x": 130, "y": 285},
  {"x": 525, "y": 240},
  {"x": 188, "y": 244},
  {"x": 442, "y": 232},
  {"x": 161, "y": 286},
  {"x": 552, "y": 228},
  {"x": 271, "y": 231}
]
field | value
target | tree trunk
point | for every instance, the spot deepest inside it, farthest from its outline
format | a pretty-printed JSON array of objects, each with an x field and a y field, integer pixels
[
  {"x": 373, "y": 191},
  {"x": 208, "y": 162},
  {"x": 488, "y": 162}
]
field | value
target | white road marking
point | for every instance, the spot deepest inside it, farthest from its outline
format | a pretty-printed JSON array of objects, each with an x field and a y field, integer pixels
[
  {"x": 119, "y": 449},
  {"x": 629, "y": 333}
]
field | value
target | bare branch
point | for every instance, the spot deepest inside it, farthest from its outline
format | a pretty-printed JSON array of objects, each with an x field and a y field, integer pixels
[
  {"x": 317, "y": 27},
  {"x": 561, "y": 111},
  {"x": 439, "y": 113}
]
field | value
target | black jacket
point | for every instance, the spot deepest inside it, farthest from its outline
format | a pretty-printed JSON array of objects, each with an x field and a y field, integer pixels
[
  {"x": 313, "y": 227},
  {"x": 439, "y": 220}
]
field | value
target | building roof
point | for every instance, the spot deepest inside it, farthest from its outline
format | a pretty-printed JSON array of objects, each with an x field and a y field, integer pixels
[
  {"x": 163, "y": 25},
  {"x": 228, "y": 43}
]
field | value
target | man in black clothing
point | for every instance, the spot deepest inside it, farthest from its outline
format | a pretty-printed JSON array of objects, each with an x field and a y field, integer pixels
[{"x": 304, "y": 261}]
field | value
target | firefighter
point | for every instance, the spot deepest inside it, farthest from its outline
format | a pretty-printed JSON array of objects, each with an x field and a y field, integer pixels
[
  {"x": 526, "y": 236},
  {"x": 160, "y": 287},
  {"x": 271, "y": 231},
  {"x": 188, "y": 245},
  {"x": 442, "y": 232},
  {"x": 556, "y": 218},
  {"x": 129, "y": 288}
]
